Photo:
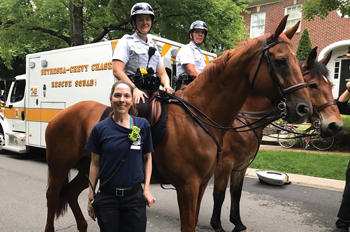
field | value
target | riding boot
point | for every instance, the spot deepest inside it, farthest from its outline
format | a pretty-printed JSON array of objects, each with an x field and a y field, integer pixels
[{"x": 343, "y": 221}]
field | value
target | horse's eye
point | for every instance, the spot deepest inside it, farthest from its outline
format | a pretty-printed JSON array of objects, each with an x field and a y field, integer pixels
[
  {"x": 313, "y": 86},
  {"x": 280, "y": 62}
]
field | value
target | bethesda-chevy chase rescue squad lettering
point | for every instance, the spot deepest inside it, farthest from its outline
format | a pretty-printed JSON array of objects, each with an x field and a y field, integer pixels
[{"x": 75, "y": 69}]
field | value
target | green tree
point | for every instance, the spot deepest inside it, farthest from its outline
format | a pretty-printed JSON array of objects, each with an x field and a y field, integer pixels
[
  {"x": 304, "y": 46},
  {"x": 320, "y": 8},
  {"x": 28, "y": 26}
]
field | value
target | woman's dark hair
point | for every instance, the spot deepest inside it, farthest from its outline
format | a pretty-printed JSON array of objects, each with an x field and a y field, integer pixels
[{"x": 132, "y": 110}]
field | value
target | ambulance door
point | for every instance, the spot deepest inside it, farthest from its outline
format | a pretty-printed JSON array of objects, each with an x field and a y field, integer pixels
[
  {"x": 34, "y": 88},
  {"x": 15, "y": 112}
]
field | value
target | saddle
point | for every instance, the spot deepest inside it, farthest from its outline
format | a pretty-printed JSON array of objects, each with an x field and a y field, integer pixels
[{"x": 154, "y": 109}]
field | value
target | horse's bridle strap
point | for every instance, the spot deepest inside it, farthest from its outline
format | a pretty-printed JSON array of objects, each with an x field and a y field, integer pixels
[
  {"x": 265, "y": 54},
  {"x": 319, "y": 108},
  {"x": 294, "y": 88}
]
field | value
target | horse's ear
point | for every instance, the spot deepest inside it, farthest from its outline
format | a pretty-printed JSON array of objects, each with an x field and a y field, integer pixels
[
  {"x": 311, "y": 58},
  {"x": 326, "y": 59},
  {"x": 291, "y": 31},
  {"x": 280, "y": 28}
]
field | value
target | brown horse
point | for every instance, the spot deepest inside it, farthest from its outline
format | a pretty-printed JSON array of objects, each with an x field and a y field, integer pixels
[
  {"x": 187, "y": 156},
  {"x": 240, "y": 148}
]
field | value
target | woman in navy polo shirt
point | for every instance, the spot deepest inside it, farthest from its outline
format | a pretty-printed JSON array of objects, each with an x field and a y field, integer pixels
[{"x": 120, "y": 204}]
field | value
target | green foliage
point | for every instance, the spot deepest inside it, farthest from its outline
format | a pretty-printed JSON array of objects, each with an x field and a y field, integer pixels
[
  {"x": 320, "y": 8},
  {"x": 304, "y": 46},
  {"x": 331, "y": 166},
  {"x": 40, "y": 25}
]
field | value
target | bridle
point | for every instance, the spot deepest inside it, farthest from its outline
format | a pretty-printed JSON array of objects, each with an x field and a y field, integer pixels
[
  {"x": 171, "y": 98},
  {"x": 281, "y": 90},
  {"x": 321, "y": 107}
]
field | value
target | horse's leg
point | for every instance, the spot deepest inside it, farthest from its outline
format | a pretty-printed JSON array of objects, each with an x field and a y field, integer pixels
[
  {"x": 72, "y": 192},
  {"x": 236, "y": 192},
  {"x": 54, "y": 206},
  {"x": 187, "y": 196},
  {"x": 221, "y": 178},
  {"x": 200, "y": 196}
]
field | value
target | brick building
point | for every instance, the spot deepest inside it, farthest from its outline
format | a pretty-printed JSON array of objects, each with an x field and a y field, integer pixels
[{"x": 330, "y": 34}]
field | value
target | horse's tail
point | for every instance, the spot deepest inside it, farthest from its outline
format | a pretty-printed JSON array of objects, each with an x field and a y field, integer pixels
[{"x": 62, "y": 204}]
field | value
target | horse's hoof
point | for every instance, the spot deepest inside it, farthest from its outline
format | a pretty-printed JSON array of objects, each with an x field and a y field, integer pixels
[
  {"x": 220, "y": 229},
  {"x": 234, "y": 230},
  {"x": 240, "y": 230}
]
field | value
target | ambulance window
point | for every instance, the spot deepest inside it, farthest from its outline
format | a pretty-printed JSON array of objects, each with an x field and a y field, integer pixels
[{"x": 18, "y": 91}]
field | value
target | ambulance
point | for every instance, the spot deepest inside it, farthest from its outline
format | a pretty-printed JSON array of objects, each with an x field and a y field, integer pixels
[{"x": 57, "y": 79}]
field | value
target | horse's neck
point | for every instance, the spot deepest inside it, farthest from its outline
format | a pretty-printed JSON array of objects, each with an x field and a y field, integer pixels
[
  {"x": 220, "y": 96},
  {"x": 256, "y": 103}
]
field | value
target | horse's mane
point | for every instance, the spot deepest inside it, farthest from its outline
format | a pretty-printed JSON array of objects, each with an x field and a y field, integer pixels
[
  {"x": 243, "y": 47},
  {"x": 317, "y": 69},
  {"x": 220, "y": 63}
]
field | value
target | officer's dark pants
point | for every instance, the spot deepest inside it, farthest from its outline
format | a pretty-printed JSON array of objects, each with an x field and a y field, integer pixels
[
  {"x": 344, "y": 210},
  {"x": 142, "y": 107},
  {"x": 121, "y": 213},
  {"x": 183, "y": 80}
]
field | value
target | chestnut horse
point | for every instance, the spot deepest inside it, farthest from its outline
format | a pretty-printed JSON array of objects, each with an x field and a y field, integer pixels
[
  {"x": 240, "y": 148},
  {"x": 187, "y": 156}
]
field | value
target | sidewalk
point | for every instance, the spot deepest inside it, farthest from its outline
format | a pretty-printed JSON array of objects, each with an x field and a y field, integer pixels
[{"x": 316, "y": 182}]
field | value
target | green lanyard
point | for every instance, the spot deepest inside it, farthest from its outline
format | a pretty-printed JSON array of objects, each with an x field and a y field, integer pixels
[
  {"x": 131, "y": 121},
  {"x": 134, "y": 131}
]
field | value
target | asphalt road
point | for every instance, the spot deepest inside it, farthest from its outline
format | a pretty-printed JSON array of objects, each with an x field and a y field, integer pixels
[{"x": 264, "y": 208}]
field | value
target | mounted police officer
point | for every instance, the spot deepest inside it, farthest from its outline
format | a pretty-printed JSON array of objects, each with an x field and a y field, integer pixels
[
  {"x": 190, "y": 60},
  {"x": 137, "y": 61}
]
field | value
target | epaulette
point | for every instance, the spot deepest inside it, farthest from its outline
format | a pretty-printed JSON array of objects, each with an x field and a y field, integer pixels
[{"x": 126, "y": 36}]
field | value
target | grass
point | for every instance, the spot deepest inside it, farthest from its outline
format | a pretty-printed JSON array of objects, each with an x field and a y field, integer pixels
[
  {"x": 346, "y": 120},
  {"x": 330, "y": 166}
]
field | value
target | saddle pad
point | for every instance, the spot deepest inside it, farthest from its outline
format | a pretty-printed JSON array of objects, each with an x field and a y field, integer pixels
[
  {"x": 158, "y": 133},
  {"x": 159, "y": 128},
  {"x": 105, "y": 113}
]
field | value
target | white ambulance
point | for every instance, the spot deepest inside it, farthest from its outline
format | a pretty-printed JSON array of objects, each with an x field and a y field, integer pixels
[{"x": 60, "y": 78}]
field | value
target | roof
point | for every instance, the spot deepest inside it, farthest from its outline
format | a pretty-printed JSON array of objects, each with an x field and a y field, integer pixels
[{"x": 261, "y": 2}]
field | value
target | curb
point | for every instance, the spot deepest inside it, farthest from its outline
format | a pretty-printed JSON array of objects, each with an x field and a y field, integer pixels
[{"x": 316, "y": 182}]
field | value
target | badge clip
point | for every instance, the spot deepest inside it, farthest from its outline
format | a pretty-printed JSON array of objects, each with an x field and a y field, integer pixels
[{"x": 135, "y": 131}]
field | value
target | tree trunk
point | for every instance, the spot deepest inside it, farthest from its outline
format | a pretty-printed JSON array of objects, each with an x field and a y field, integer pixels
[{"x": 76, "y": 21}]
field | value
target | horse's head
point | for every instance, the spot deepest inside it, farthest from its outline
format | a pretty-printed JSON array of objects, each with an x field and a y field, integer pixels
[
  {"x": 278, "y": 69},
  {"x": 320, "y": 88}
]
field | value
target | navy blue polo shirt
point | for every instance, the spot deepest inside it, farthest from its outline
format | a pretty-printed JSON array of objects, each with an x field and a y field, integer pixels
[{"x": 110, "y": 140}]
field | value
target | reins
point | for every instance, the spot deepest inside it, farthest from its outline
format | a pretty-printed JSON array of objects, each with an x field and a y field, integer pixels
[
  {"x": 263, "y": 121},
  {"x": 179, "y": 100}
]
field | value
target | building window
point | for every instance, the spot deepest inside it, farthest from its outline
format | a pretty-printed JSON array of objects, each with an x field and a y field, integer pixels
[
  {"x": 294, "y": 16},
  {"x": 257, "y": 25},
  {"x": 336, "y": 70}
]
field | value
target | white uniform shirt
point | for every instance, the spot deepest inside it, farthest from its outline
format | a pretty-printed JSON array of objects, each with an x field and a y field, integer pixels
[
  {"x": 189, "y": 54},
  {"x": 133, "y": 52}
]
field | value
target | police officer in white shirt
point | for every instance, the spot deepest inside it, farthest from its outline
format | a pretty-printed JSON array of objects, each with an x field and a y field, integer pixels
[
  {"x": 190, "y": 60},
  {"x": 137, "y": 52}
]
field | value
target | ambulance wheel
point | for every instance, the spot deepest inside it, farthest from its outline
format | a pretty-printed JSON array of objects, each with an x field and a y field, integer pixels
[{"x": 2, "y": 139}]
